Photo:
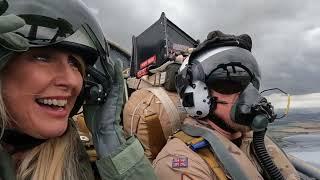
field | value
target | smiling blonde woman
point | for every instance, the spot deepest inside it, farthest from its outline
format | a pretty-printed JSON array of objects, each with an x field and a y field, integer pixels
[{"x": 53, "y": 55}]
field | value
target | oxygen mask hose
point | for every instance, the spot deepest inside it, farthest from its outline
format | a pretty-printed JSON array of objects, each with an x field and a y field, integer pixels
[
  {"x": 251, "y": 109},
  {"x": 260, "y": 149}
]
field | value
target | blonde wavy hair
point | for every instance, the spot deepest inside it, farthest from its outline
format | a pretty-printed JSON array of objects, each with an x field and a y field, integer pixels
[
  {"x": 60, "y": 158},
  {"x": 3, "y": 113},
  {"x": 56, "y": 159}
]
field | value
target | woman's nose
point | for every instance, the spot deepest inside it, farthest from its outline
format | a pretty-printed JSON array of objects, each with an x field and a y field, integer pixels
[{"x": 67, "y": 75}]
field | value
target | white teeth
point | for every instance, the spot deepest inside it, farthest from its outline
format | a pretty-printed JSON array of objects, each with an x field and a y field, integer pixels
[
  {"x": 60, "y": 103},
  {"x": 56, "y": 102}
]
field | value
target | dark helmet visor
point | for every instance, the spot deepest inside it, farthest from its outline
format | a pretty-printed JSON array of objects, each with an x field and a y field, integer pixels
[{"x": 229, "y": 78}]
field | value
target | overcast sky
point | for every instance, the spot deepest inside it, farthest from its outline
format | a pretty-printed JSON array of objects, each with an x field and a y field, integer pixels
[{"x": 285, "y": 34}]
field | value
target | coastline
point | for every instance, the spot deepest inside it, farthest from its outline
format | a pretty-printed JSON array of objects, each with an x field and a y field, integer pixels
[{"x": 298, "y": 138}]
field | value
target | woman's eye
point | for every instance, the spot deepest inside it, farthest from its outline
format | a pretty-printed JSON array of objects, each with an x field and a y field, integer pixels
[
  {"x": 41, "y": 58},
  {"x": 74, "y": 62}
]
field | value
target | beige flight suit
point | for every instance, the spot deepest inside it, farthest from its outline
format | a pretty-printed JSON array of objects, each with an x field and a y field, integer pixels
[{"x": 197, "y": 168}]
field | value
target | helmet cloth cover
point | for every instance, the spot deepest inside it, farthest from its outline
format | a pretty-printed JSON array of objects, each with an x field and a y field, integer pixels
[{"x": 229, "y": 63}]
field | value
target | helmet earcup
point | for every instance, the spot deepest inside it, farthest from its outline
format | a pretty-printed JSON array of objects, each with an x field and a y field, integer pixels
[{"x": 196, "y": 100}]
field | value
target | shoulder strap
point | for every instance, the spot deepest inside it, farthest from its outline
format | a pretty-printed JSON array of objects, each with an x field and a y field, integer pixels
[
  {"x": 222, "y": 153},
  {"x": 189, "y": 140},
  {"x": 204, "y": 153},
  {"x": 170, "y": 108},
  {"x": 213, "y": 163}
]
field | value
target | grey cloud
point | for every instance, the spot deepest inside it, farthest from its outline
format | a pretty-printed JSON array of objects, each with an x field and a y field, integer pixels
[{"x": 285, "y": 36}]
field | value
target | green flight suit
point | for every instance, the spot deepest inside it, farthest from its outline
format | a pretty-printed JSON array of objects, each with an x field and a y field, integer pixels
[{"x": 128, "y": 162}]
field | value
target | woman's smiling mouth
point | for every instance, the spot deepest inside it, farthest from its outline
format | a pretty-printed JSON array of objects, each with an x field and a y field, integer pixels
[
  {"x": 52, "y": 102},
  {"x": 55, "y": 107}
]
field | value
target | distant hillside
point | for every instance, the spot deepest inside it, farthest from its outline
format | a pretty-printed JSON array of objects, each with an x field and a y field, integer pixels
[
  {"x": 301, "y": 114},
  {"x": 299, "y": 134}
]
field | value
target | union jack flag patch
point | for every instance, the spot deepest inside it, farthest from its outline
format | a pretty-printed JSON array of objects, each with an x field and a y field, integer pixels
[{"x": 180, "y": 162}]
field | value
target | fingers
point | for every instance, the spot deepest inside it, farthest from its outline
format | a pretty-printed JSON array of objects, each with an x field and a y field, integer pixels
[
  {"x": 9, "y": 40},
  {"x": 10, "y": 23}
]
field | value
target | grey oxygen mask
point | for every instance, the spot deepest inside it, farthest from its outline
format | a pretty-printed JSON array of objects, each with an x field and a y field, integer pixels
[{"x": 252, "y": 109}]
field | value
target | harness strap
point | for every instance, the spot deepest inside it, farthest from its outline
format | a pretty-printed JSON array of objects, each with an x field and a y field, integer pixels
[
  {"x": 213, "y": 163},
  {"x": 204, "y": 153},
  {"x": 221, "y": 152},
  {"x": 170, "y": 108},
  {"x": 189, "y": 140}
]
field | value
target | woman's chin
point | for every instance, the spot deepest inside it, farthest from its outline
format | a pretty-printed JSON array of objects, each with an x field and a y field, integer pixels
[{"x": 52, "y": 132}]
